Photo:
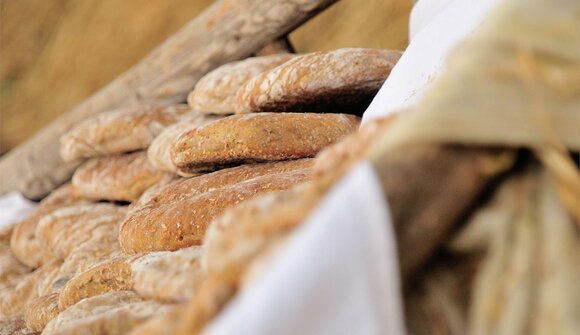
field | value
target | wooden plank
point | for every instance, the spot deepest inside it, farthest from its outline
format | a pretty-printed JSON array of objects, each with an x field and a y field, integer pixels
[{"x": 226, "y": 31}]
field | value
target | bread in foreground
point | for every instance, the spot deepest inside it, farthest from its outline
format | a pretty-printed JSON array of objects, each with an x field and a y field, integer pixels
[{"x": 182, "y": 223}]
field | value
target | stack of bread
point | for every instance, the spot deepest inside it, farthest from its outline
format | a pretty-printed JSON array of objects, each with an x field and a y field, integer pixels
[{"x": 177, "y": 207}]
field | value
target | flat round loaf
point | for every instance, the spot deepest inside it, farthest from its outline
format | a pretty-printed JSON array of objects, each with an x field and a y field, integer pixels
[
  {"x": 111, "y": 313},
  {"x": 159, "y": 152},
  {"x": 339, "y": 81},
  {"x": 11, "y": 270},
  {"x": 14, "y": 301},
  {"x": 182, "y": 223},
  {"x": 215, "y": 93},
  {"x": 262, "y": 137},
  {"x": 118, "y": 131},
  {"x": 120, "y": 177},
  {"x": 40, "y": 311},
  {"x": 23, "y": 241},
  {"x": 190, "y": 187},
  {"x": 168, "y": 276},
  {"x": 66, "y": 228}
]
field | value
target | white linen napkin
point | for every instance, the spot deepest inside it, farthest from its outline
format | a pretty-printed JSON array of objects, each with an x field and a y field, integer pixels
[
  {"x": 13, "y": 208},
  {"x": 438, "y": 25},
  {"x": 338, "y": 274}
]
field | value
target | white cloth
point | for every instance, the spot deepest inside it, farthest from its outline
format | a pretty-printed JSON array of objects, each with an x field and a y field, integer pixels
[
  {"x": 338, "y": 274},
  {"x": 13, "y": 208},
  {"x": 438, "y": 26}
]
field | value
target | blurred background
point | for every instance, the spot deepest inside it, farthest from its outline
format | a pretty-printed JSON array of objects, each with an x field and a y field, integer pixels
[{"x": 55, "y": 53}]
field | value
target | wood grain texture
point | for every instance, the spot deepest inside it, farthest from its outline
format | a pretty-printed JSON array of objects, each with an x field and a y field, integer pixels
[{"x": 226, "y": 31}]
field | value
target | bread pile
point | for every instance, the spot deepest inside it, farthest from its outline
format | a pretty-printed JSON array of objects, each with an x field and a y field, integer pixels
[{"x": 177, "y": 207}]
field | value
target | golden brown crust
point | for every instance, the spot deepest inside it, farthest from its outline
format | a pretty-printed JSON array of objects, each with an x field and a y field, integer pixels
[
  {"x": 215, "y": 93},
  {"x": 110, "y": 276},
  {"x": 343, "y": 80},
  {"x": 110, "y": 313},
  {"x": 23, "y": 241},
  {"x": 168, "y": 276},
  {"x": 119, "y": 177},
  {"x": 14, "y": 301},
  {"x": 119, "y": 131},
  {"x": 40, "y": 311},
  {"x": 164, "y": 276},
  {"x": 163, "y": 323},
  {"x": 11, "y": 271},
  {"x": 159, "y": 152},
  {"x": 262, "y": 137},
  {"x": 190, "y": 187},
  {"x": 66, "y": 228},
  {"x": 242, "y": 232},
  {"x": 83, "y": 257},
  {"x": 182, "y": 223}
]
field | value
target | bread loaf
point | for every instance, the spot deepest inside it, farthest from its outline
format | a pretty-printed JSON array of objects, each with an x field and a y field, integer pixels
[
  {"x": 163, "y": 276},
  {"x": 14, "y": 301},
  {"x": 66, "y": 228},
  {"x": 40, "y": 311},
  {"x": 262, "y": 137},
  {"x": 242, "y": 232},
  {"x": 14, "y": 325},
  {"x": 163, "y": 323},
  {"x": 159, "y": 152},
  {"x": 111, "y": 313},
  {"x": 168, "y": 276},
  {"x": 339, "y": 81},
  {"x": 215, "y": 93},
  {"x": 113, "y": 275},
  {"x": 181, "y": 224},
  {"x": 120, "y": 177},
  {"x": 23, "y": 241},
  {"x": 190, "y": 187},
  {"x": 82, "y": 258},
  {"x": 118, "y": 131},
  {"x": 11, "y": 270}
]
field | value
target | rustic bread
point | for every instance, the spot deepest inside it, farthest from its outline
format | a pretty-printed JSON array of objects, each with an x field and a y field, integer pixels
[
  {"x": 190, "y": 187},
  {"x": 152, "y": 191},
  {"x": 23, "y": 241},
  {"x": 168, "y": 276},
  {"x": 14, "y": 325},
  {"x": 111, "y": 313},
  {"x": 215, "y": 93},
  {"x": 163, "y": 323},
  {"x": 5, "y": 235},
  {"x": 40, "y": 311},
  {"x": 182, "y": 223},
  {"x": 109, "y": 276},
  {"x": 164, "y": 276},
  {"x": 14, "y": 301},
  {"x": 339, "y": 81},
  {"x": 11, "y": 271},
  {"x": 159, "y": 152},
  {"x": 120, "y": 177},
  {"x": 64, "y": 229},
  {"x": 262, "y": 137},
  {"x": 243, "y": 231},
  {"x": 118, "y": 131},
  {"x": 82, "y": 258}
]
